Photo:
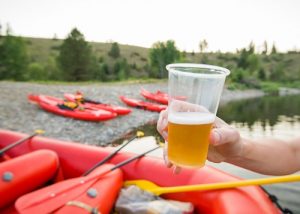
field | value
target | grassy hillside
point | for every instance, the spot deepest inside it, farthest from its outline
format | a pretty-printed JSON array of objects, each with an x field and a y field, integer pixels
[
  {"x": 41, "y": 49},
  {"x": 44, "y": 51},
  {"x": 274, "y": 66}
]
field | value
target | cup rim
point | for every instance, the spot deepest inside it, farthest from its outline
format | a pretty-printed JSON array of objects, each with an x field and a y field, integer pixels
[{"x": 222, "y": 71}]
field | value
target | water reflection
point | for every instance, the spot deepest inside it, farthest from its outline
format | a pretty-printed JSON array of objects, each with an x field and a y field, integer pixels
[
  {"x": 265, "y": 116},
  {"x": 260, "y": 117}
]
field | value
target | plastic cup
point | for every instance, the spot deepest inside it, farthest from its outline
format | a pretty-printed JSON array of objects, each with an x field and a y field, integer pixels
[{"x": 194, "y": 94}]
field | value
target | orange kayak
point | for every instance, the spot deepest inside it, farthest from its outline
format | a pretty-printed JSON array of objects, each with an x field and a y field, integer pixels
[
  {"x": 142, "y": 104},
  {"x": 74, "y": 159},
  {"x": 158, "y": 96},
  {"x": 51, "y": 104}
]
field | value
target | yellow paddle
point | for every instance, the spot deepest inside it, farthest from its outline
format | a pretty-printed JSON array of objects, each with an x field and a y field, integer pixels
[{"x": 157, "y": 190}]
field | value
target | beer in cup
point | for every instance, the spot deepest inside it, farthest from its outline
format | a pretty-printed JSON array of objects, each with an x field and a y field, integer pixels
[{"x": 194, "y": 94}]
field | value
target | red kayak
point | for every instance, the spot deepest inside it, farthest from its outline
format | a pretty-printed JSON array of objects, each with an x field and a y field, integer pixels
[
  {"x": 142, "y": 104},
  {"x": 94, "y": 104},
  {"x": 38, "y": 159},
  {"x": 158, "y": 96},
  {"x": 51, "y": 104}
]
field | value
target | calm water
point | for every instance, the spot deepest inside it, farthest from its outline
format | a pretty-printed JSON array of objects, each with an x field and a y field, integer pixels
[
  {"x": 260, "y": 117},
  {"x": 255, "y": 118},
  {"x": 264, "y": 117},
  {"x": 277, "y": 117}
]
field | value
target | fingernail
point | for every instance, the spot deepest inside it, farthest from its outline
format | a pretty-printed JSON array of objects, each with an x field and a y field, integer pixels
[
  {"x": 176, "y": 170},
  {"x": 167, "y": 163}
]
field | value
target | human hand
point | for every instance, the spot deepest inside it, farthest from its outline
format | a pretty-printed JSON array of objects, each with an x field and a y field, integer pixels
[
  {"x": 225, "y": 141},
  {"x": 162, "y": 127}
]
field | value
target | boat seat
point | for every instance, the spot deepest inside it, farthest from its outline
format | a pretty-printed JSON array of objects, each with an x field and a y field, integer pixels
[{"x": 26, "y": 173}]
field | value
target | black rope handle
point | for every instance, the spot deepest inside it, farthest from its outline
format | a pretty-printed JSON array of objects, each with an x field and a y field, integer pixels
[{"x": 275, "y": 200}]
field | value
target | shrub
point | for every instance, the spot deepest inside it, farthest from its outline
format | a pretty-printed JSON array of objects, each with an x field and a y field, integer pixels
[
  {"x": 36, "y": 72},
  {"x": 270, "y": 88}
]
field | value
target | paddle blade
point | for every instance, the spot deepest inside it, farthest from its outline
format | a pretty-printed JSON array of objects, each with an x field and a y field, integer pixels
[
  {"x": 140, "y": 134},
  {"x": 143, "y": 184},
  {"x": 39, "y": 131},
  {"x": 51, "y": 198}
]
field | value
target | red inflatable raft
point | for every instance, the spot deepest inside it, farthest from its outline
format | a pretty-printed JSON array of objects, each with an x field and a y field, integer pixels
[
  {"x": 74, "y": 159},
  {"x": 51, "y": 104},
  {"x": 158, "y": 96},
  {"x": 94, "y": 104},
  {"x": 142, "y": 104}
]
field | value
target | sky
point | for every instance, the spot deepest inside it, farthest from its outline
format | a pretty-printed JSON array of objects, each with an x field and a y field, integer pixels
[{"x": 227, "y": 25}]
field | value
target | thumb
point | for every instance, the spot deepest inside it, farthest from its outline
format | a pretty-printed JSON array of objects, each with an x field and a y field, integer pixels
[{"x": 224, "y": 135}]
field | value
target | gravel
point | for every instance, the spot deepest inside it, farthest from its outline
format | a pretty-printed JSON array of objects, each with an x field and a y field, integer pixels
[{"x": 17, "y": 114}]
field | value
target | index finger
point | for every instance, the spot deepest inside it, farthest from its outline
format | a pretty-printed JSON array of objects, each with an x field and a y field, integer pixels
[{"x": 162, "y": 124}]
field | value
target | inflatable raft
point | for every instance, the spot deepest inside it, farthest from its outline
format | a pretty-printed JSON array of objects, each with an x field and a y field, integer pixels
[
  {"x": 158, "y": 96},
  {"x": 40, "y": 159},
  {"x": 142, "y": 104},
  {"x": 52, "y": 104}
]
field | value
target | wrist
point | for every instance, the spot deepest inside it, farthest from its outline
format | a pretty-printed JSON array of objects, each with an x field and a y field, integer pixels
[
  {"x": 247, "y": 148},
  {"x": 243, "y": 151}
]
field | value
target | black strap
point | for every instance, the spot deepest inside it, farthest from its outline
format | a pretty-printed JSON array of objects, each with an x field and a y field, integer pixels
[
  {"x": 275, "y": 200},
  {"x": 64, "y": 107},
  {"x": 87, "y": 100},
  {"x": 3, "y": 150},
  {"x": 107, "y": 158}
]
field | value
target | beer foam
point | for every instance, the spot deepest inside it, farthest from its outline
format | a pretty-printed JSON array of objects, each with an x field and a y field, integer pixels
[{"x": 191, "y": 118}]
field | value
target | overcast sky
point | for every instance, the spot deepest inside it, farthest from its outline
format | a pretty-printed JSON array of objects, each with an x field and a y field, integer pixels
[{"x": 225, "y": 24}]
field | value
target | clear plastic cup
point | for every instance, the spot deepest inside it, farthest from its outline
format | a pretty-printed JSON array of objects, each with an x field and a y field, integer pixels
[{"x": 194, "y": 94}]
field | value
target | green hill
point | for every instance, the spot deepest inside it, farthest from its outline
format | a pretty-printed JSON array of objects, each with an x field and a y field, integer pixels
[
  {"x": 41, "y": 49},
  {"x": 247, "y": 67}
]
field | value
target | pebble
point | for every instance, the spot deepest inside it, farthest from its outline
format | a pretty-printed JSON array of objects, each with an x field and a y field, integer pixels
[{"x": 17, "y": 114}]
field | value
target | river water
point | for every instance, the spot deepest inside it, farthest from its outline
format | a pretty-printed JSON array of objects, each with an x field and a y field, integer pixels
[
  {"x": 275, "y": 117},
  {"x": 270, "y": 116}
]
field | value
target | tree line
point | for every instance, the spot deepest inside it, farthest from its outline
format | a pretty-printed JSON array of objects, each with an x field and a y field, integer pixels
[{"x": 76, "y": 61}]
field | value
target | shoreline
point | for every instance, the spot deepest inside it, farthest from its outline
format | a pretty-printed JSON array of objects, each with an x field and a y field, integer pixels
[{"x": 17, "y": 114}]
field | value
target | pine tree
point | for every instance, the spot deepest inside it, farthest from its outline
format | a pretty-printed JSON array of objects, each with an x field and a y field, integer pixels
[
  {"x": 114, "y": 50},
  {"x": 265, "y": 45},
  {"x": 13, "y": 57},
  {"x": 203, "y": 45},
  {"x": 75, "y": 57},
  {"x": 274, "y": 49}
]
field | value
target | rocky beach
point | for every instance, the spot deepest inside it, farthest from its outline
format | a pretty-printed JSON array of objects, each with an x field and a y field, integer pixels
[{"x": 17, "y": 114}]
